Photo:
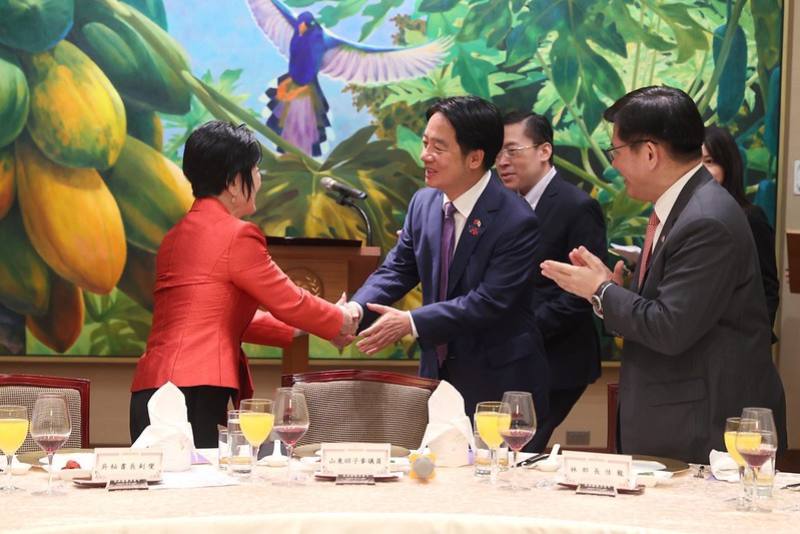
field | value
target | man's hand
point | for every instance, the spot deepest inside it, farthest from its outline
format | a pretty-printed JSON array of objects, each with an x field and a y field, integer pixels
[
  {"x": 584, "y": 276},
  {"x": 390, "y": 326},
  {"x": 351, "y": 315}
]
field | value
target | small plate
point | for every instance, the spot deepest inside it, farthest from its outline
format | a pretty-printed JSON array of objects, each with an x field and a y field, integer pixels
[
  {"x": 378, "y": 478},
  {"x": 670, "y": 464},
  {"x": 312, "y": 449},
  {"x": 34, "y": 457}
]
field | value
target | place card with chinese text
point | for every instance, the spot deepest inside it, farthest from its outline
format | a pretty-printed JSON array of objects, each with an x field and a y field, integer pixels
[
  {"x": 127, "y": 464},
  {"x": 598, "y": 469},
  {"x": 355, "y": 458}
]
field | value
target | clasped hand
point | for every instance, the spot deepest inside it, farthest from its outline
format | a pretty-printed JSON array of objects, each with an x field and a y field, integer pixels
[{"x": 584, "y": 276}]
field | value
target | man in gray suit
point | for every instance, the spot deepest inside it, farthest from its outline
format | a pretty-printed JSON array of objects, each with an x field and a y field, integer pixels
[{"x": 695, "y": 323}]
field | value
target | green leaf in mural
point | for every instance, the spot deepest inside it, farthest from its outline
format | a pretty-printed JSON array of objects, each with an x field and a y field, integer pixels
[
  {"x": 522, "y": 43},
  {"x": 378, "y": 13},
  {"x": 474, "y": 73},
  {"x": 730, "y": 91},
  {"x": 437, "y": 6},
  {"x": 598, "y": 72},
  {"x": 411, "y": 142},
  {"x": 349, "y": 148},
  {"x": 635, "y": 31},
  {"x": 487, "y": 19},
  {"x": 604, "y": 32},
  {"x": 329, "y": 16},
  {"x": 767, "y": 25},
  {"x": 565, "y": 67},
  {"x": 689, "y": 35}
]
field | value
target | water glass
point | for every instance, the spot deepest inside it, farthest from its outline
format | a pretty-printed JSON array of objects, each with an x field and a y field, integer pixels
[
  {"x": 223, "y": 451},
  {"x": 240, "y": 461},
  {"x": 481, "y": 457},
  {"x": 757, "y": 442}
]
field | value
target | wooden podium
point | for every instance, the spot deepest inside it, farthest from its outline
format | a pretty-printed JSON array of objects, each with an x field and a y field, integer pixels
[{"x": 326, "y": 268}]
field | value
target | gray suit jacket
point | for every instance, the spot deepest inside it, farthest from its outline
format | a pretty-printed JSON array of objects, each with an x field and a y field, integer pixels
[{"x": 697, "y": 333}]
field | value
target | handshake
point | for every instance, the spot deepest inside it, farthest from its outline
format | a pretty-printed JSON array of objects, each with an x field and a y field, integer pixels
[{"x": 387, "y": 329}]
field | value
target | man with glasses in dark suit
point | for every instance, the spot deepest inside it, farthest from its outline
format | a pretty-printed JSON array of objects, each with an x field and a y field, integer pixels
[{"x": 568, "y": 217}]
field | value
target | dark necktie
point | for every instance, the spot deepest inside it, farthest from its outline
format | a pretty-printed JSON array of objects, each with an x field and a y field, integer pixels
[
  {"x": 446, "y": 250},
  {"x": 652, "y": 224}
]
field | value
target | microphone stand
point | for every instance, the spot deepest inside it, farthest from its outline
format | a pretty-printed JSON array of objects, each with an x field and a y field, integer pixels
[{"x": 344, "y": 200}]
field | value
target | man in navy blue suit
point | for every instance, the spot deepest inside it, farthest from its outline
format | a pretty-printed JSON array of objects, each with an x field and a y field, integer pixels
[
  {"x": 568, "y": 218},
  {"x": 472, "y": 244}
]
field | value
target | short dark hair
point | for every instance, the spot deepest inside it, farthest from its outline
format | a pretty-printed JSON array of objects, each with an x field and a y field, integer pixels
[
  {"x": 537, "y": 128},
  {"x": 663, "y": 114},
  {"x": 722, "y": 148},
  {"x": 215, "y": 153},
  {"x": 477, "y": 122}
]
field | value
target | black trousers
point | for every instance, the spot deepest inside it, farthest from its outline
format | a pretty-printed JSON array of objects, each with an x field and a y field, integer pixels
[
  {"x": 561, "y": 402},
  {"x": 207, "y": 407}
]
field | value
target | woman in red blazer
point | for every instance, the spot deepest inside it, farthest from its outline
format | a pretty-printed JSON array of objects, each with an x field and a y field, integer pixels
[{"x": 213, "y": 273}]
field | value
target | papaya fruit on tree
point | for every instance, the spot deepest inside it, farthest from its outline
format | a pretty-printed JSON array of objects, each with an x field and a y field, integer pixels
[
  {"x": 14, "y": 97},
  {"x": 60, "y": 327}
]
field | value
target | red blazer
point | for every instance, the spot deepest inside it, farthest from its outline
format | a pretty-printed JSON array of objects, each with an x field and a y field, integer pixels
[{"x": 213, "y": 272}]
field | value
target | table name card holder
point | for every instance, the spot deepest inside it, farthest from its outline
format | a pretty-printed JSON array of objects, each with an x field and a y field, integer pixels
[
  {"x": 355, "y": 463},
  {"x": 127, "y": 468},
  {"x": 595, "y": 473}
]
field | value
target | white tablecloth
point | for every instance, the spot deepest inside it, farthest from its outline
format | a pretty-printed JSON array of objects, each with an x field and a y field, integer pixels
[{"x": 453, "y": 503}]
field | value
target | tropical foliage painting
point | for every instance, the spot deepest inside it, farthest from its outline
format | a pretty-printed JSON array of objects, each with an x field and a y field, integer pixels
[{"x": 97, "y": 98}]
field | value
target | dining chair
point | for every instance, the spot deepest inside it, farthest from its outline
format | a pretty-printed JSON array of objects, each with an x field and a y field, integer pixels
[
  {"x": 23, "y": 389},
  {"x": 364, "y": 406}
]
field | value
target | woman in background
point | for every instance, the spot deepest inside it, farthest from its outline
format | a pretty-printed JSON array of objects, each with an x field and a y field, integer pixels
[
  {"x": 722, "y": 159},
  {"x": 213, "y": 272}
]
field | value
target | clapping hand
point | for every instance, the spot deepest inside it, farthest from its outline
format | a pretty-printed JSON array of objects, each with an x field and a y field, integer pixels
[
  {"x": 584, "y": 276},
  {"x": 390, "y": 327}
]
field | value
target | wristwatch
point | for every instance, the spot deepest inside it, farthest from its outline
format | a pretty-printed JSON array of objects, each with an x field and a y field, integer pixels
[{"x": 597, "y": 298}]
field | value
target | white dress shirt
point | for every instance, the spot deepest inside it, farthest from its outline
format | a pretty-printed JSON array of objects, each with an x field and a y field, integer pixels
[
  {"x": 667, "y": 200},
  {"x": 536, "y": 192}
]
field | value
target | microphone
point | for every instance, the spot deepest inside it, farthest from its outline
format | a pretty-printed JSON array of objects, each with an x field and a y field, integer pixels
[{"x": 337, "y": 187}]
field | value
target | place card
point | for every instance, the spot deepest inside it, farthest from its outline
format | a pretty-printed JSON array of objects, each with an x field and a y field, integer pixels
[
  {"x": 598, "y": 470},
  {"x": 355, "y": 458},
  {"x": 114, "y": 464}
]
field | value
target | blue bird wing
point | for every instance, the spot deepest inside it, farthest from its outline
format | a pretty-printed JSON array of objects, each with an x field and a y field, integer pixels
[
  {"x": 363, "y": 64},
  {"x": 276, "y": 21}
]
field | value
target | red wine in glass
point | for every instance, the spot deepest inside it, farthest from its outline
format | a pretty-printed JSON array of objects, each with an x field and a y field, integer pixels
[
  {"x": 516, "y": 438},
  {"x": 757, "y": 458},
  {"x": 50, "y": 443},
  {"x": 290, "y": 434}
]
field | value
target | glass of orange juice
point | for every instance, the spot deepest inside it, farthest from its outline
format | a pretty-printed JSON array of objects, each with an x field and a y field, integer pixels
[
  {"x": 731, "y": 428},
  {"x": 256, "y": 420},
  {"x": 13, "y": 429},
  {"x": 491, "y": 418}
]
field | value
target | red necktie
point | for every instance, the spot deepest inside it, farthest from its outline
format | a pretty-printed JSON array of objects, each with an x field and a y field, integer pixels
[{"x": 652, "y": 224}]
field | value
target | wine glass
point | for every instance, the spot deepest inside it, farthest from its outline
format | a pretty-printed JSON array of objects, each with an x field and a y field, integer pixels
[
  {"x": 256, "y": 420},
  {"x": 291, "y": 421},
  {"x": 519, "y": 407},
  {"x": 50, "y": 428},
  {"x": 13, "y": 429},
  {"x": 731, "y": 428},
  {"x": 492, "y": 417},
  {"x": 757, "y": 442}
]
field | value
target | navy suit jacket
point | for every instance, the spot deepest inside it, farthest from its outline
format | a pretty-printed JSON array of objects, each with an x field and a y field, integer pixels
[
  {"x": 487, "y": 319},
  {"x": 568, "y": 218}
]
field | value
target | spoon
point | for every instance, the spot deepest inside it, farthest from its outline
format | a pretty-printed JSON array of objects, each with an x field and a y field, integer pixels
[
  {"x": 276, "y": 459},
  {"x": 552, "y": 463}
]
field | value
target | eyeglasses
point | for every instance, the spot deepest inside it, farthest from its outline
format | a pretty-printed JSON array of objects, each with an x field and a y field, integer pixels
[
  {"x": 514, "y": 151},
  {"x": 612, "y": 149}
]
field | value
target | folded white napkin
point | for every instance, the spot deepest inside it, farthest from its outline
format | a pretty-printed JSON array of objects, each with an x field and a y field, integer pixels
[
  {"x": 449, "y": 431},
  {"x": 169, "y": 428},
  {"x": 723, "y": 467}
]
